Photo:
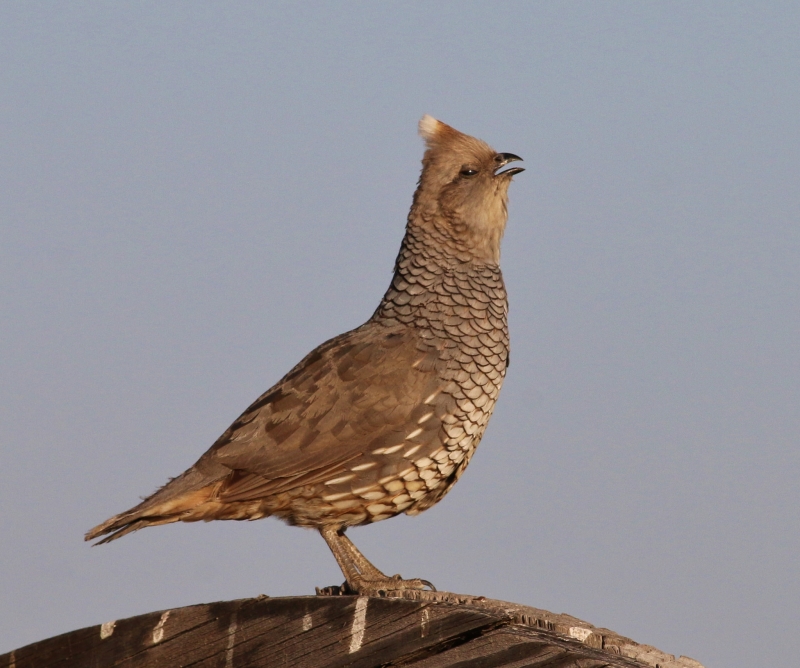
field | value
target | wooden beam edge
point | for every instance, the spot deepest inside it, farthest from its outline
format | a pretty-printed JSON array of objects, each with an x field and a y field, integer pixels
[{"x": 562, "y": 624}]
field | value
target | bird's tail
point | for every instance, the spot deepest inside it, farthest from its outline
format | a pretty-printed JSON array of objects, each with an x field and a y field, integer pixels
[
  {"x": 174, "y": 502},
  {"x": 125, "y": 523}
]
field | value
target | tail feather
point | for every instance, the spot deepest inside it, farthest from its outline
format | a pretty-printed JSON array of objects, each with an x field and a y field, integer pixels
[
  {"x": 120, "y": 526},
  {"x": 173, "y": 502}
]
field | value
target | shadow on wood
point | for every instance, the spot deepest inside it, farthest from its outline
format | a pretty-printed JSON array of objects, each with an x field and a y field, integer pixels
[{"x": 421, "y": 629}]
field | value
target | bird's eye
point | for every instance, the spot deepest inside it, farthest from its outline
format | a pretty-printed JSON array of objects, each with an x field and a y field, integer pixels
[{"x": 468, "y": 171}]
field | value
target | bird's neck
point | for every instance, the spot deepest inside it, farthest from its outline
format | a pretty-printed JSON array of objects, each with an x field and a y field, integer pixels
[
  {"x": 468, "y": 234},
  {"x": 432, "y": 271}
]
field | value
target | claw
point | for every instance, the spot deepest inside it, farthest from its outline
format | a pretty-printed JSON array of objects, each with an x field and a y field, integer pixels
[{"x": 428, "y": 584}]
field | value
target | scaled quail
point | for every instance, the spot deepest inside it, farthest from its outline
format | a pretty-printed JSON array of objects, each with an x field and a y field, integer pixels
[{"x": 383, "y": 419}]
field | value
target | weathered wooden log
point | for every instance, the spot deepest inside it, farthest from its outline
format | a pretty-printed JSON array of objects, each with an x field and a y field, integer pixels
[{"x": 420, "y": 629}]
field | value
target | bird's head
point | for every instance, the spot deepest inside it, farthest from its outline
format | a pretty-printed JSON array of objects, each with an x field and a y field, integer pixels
[{"x": 463, "y": 189}]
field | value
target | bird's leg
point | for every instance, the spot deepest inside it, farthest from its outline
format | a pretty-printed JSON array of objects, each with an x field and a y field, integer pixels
[
  {"x": 361, "y": 576},
  {"x": 342, "y": 556},
  {"x": 365, "y": 566}
]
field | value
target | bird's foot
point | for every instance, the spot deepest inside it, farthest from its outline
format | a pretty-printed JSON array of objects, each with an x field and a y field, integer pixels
[
  {"x": 386, "y": 585},
  {"x": 380, "y": 587}
]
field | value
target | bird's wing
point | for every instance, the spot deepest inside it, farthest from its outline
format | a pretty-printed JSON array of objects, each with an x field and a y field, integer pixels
[{"x": 354, "y": 395}]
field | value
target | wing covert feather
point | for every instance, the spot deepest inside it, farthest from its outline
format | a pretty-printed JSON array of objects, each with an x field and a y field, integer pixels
[{"x": 351, "y": 395}]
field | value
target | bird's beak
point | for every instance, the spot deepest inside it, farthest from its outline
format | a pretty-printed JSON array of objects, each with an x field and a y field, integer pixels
[{"x": 502, "y": 159}]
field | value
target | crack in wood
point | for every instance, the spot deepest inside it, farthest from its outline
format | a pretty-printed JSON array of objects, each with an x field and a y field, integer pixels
[{"x": 443, "y": 646}]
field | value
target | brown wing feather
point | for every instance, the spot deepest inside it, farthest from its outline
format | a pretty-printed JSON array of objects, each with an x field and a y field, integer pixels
[
  {"x": 243, "y": 486},
  {"x": 350, "y": 396}
]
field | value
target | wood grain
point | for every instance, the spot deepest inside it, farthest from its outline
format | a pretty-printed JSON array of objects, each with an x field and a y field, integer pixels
[{"x": 419, "y": 629}]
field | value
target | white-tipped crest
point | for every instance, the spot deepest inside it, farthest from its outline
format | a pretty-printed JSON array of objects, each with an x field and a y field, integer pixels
[{"x": 428, "y": 127}]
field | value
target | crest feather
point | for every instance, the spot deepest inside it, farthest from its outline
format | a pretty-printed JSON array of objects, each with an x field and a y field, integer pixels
[{"x": 429, "y": 127}]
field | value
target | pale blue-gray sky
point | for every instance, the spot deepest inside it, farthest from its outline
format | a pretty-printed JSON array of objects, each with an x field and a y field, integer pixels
[{"x": 194, "y": 194}]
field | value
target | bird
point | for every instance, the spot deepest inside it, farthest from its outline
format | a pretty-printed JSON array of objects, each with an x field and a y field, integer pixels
[{"x": 383, "y": 419}]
